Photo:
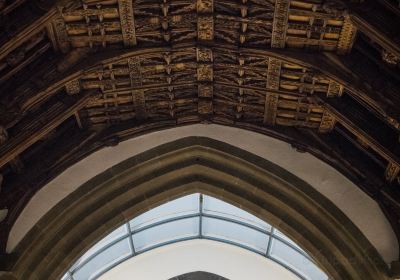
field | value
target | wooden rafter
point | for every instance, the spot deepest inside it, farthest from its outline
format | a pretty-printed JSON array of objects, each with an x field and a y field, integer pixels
[{"x": 39, "y": 127}]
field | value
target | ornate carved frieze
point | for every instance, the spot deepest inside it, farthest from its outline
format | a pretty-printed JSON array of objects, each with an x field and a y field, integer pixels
[
  {"x": 205, "y": 6},
  {"x": 239, "y": 84},
  {"x": 205, "y": 90},
  {"x": 205, "y": 73},
  {"x": 281, "y": 14},
  {"x": 392, "y": 171},
  {"x": 205, "y": 76},
  {"x": 274, "y": 72},
  {"x": 139, "y": 103},
  {"x": 205, "y": 28},
  {"x": 134, "y": 71},
  {"x": 138, "y": 97},
  {"x": 205, "y": 107},
  {"x": 97, "y": 23},
  {"x": 335, "y": 89},
  {"x": 248, "y": 22},
  {"x": 127, "y": 22},
  {"x": 319, "y": 27},
  {"x": 347, "y": 36},
  {"x": 73, "y": 87},
  {"x": 204, "y": 55},
  {"x": 57, "y": 32},
  {"x": 205, "y": 20},
  {"x": 327, "y": 123},
  {"x": 390, "y": 58},
  {"x": 271, "y": 107},
  {"x": 271, "y": 100}
]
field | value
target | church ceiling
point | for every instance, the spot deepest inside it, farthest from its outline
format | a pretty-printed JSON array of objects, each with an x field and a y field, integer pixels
[{"x": 76, "y": 76}]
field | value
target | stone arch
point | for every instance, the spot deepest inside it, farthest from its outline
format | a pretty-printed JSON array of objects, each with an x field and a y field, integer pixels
[{"x": 197, "y": 164}]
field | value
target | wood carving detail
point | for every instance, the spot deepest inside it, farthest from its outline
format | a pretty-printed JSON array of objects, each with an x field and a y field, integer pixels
[
  {"x": 204, "y": 55},
  {"x": 205, "y": 90},
  {"x": 205, "y": 75},
  {"x": 274, "y": 72},
  {"x": 205, "y": 28},
  {"x": 205, "y": 20},
  {"x": 335, "y": 89},
  {"x": 134, "y": 71},
  {"x": 392, "y": 171},
  {"x": 271, "y": 107},
  {"x": 73, "y": 87},
  {"x": 127, "y": 22},
  {"x": 279, "y": 24},
  {"x": 327, "y": 123},
  {"x": 153, "y": 64},
  {"x": 205, "y": 6},
  {"x": 347, "y": 36},
  {"x": 390, "y": 58},
  {"x": 58, "y": 35}
]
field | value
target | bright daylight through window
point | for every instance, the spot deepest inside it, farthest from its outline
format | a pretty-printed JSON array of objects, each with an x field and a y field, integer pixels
[{"x": 194, "y": 216}]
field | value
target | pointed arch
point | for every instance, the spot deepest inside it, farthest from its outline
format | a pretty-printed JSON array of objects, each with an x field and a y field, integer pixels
[{"x": 197, "y": 164}]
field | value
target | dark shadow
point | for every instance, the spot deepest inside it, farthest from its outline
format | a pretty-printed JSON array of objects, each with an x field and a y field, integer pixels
[{"x": 198, "y": 275}]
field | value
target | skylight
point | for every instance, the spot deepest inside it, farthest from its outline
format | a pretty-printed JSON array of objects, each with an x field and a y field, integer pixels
[{"x": 194, "y": 216}]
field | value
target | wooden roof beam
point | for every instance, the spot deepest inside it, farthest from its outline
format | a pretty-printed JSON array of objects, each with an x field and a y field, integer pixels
[
  {"x": 27, "y": 33},
  {"x": 379, "y": 23},
  {"x": 364, "y": 137},
  {"x": 329, "y": 64},
  {"x": 41, "y": 125}
]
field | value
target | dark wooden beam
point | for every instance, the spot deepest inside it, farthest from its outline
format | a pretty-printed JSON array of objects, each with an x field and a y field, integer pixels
[
  {"x": 379, "y": 22},
  {"x": 40, "y": 126}
]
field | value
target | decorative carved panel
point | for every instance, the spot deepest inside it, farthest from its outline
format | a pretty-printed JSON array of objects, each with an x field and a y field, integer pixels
[
  {"x": 390, "y": 58},
  {"x": 327, "y": 123},
  {"x": 58, "y": 35},
  {"x": 271, "y": 106},
  {"x": 73, "y": 87},
  {"x": 280, "y": 23},
  {"x": 304, "y": 24},
  {"x": 335, "y": 89},
  {"x": 347, "y": 36},
  {"x": 127, "y": 22},
  {"x": 392, "y": 171},
  {"x": 205, "y": 76}
]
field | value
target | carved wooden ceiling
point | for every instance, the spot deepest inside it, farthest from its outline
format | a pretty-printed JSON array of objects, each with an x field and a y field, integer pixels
[{"x": 76, "y": 76}]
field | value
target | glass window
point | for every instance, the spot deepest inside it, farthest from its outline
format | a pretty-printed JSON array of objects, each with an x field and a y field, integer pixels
[
  {"x": 182, "y": 206},
  {"x": 165, "y": 233},
  {"x": 170, "y": 223},
  {"x": 104, "y": 260},
  {"x": 287, "y": 255},
  {"x": 217, "y": 207},
  {"x": 66, "y": 277},
  {"x": 235, "y": 233},
  {"x": 287, "y": 239},
  {"x": 119, "y": 232}
]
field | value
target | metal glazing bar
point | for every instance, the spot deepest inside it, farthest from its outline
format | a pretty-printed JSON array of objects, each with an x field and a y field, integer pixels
[
  {"x": 271, "y": 234},
  {"x": 201, "y": 216},
  {"x": 131, "y": 239}
]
